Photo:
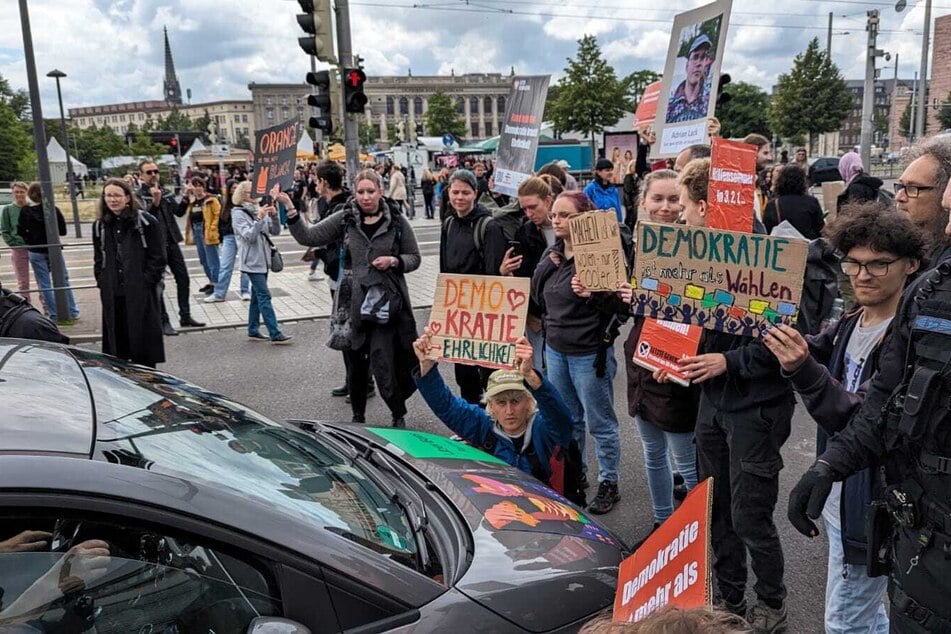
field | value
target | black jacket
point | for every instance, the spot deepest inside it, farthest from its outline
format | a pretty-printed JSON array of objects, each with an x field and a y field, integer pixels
[
  {"x": 819, "y": 382},
  {"x": 457, "y": 249},
  {"x": 531, "y": 246},
  {"x": 164, "y": 212},
  {"x": 32, "y": 227},
  {"x": 803, "y": 212},
  {"x": 863, "y": 188},
  {"x": 20, "y": 320},
  {"x": 330, "y": 254},
  {"x": 125, "y": 267}
]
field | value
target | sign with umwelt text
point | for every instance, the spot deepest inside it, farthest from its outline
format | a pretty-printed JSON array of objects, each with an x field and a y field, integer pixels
[{"x": 476, "y": 319}]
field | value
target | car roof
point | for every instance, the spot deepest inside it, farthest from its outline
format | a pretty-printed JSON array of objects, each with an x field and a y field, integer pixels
[{"x": 47, "y": 404}]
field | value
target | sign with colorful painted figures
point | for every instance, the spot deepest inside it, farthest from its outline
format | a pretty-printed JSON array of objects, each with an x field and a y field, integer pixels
[
  {"x": 476, "y": 319},
  {"x": 599, "y": 258},
  {"x": 721, "y": 280}
]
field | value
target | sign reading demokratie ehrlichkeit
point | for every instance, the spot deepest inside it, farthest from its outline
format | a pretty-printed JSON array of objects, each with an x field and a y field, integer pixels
[
  {"x": 722, "y": 280},
  {"x": 518, "y": 142}
]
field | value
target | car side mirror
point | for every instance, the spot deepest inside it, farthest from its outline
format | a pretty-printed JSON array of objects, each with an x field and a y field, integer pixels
[{"x": 276, "y": 625}]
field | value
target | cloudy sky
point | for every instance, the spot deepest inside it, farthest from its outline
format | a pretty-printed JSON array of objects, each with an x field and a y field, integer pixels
[{"x": 111, "y": 50}]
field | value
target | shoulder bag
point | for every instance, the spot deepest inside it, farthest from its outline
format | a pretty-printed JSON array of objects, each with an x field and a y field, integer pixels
[{"x": 341, "y": 327}]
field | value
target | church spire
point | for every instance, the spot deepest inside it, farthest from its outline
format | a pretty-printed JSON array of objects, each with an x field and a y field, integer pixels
[{"x": 172, "y": 89}]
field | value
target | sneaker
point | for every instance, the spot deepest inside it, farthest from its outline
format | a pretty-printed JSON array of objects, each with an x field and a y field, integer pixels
[
  {"x": 766, "y": 620},
  {"x": 584, "y": 481},
  {"x": 281, "y": 339},
  {"x": 211, "y": 299},
  {"x": 258, "y": 337},
  {"x": 606, "y": 498},
  {"x": 245, "y": 297},
  {"x": 678, "y": 479},
  {"x": 736, "y": 609},
  {"x": 399, "y": 423},
  {"x": 343, "y": 390},
  {"x": 315, "y": 276},
  {"x": 680, "y": 492},
  {"x": 371, "y": 392},
  {"x": 359, "y": 418},
  {"x": 207, "y": 288}
]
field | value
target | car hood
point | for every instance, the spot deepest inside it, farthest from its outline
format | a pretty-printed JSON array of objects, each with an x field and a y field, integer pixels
[{"x": 539, "y": 561}]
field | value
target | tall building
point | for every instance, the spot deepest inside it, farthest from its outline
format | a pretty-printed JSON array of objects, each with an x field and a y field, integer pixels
[
  {"x": 479, "y": 97},
  {"x": 171, "y": 88},
  {"x": 939, "y": 89}
]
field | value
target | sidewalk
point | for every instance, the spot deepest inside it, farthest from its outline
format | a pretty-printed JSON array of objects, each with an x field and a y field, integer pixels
[{"x": 295, "y": 299}]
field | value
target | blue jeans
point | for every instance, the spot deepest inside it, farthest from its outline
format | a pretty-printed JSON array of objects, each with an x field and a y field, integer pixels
[
  {"x": 854, "y": 601},
  {"x": 207, "y": 253},
  {"x": 591, "y": 401},
  {"x": 261, "y": 307},
  {"x": 660, "y": 480},
  {"x": 41, "y": 271},
  {"x": 537, "y": 339},
  {"x": 229, "y": 250}
]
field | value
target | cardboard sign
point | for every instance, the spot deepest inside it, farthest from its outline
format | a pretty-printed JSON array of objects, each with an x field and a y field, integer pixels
[
  {"x": 275, "y": 156},
  {"x": 732, "y": 186},
  {"x": 672, "y": 567},
  {"x": 663, "y": 344},
  {"x": 830, "y": 197},
  {"x": 521, "y": 126},
  {"x": 476, "y": 319},
  {"x": 647, "y": 106},
  {"x": 599, "y": 257},
  {"x": 721, "y": 280},
  {"x": 691, "y": 77}
]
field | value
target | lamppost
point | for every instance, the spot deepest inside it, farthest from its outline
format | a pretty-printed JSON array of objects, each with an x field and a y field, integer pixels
[
  {"x": 920, "y": 116},
  {"x": 57, "y": 75}
]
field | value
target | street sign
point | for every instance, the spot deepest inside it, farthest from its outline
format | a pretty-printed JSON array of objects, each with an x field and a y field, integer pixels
[
  {"x": 447, "y": 140},
  {"x": 220, "y": 150}
]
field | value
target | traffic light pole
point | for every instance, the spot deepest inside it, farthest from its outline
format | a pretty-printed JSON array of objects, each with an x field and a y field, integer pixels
[{"x": 345, "y": 56}]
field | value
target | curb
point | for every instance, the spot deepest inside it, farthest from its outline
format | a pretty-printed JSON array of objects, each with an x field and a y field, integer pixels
[{"x": 96, "y": 337}]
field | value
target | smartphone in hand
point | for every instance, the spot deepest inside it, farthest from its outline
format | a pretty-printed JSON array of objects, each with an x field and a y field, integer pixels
[{"x": 515, "y": 245}]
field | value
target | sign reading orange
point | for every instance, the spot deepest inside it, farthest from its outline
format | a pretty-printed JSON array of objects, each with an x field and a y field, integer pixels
[
  {"x": 732, "y": 186},
  {"x": 673, "y": 566},
  {"x": 663, "y": 344}
]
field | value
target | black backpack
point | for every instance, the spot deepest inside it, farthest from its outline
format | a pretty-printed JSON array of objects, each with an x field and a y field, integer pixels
[
  {"x": 12, "y": 306},
  {"x": 820, "y": 287},
  {"x": 567, "y": 472}
]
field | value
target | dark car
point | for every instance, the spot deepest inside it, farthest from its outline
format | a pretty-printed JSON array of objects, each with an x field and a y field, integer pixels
[
  {"x": 132, "y": 501},
  {"x": 824, "y": 169}
]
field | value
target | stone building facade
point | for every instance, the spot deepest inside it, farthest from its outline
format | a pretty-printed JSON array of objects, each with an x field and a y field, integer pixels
[{"x": 939, "y": 89}]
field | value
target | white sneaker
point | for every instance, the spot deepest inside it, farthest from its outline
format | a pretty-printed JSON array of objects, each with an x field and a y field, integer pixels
[
  {"x": 211, "y": 299},
  {"x": 245, "y": 297},
  {"x": 315, "y": 276}
]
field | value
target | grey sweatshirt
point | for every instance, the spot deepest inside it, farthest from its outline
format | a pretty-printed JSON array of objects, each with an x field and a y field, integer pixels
[{"x": 254, "y": 254}]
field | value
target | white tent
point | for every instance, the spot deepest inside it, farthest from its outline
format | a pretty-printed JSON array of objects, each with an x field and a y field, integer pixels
[
  {"x": 306, "y": 144},
  {"x": 197, "y": 146},
  {"x": 57, "y": 159}
]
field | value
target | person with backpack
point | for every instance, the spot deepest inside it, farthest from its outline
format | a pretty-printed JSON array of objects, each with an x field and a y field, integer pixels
[
  {"x": 525, "y": 422},
  {"x": 793, "y": 204},
  {"x": 602, "y": 191},
  {"x": 471, "y": 242},
  {"x": 829, "y": 371},
  {"x": 21, "y": 320},
  {"x": 129, "y": 252},
  {"x": 859, "y": 186},
  {"x": 580, "y": 328}
]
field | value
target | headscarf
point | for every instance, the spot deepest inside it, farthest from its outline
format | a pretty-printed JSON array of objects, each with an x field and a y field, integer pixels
[{"x": 850, "y": 166}]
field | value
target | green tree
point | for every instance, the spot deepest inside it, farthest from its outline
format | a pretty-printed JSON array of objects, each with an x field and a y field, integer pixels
[
  {"x": 746, "y": 111},
  {"x": 93, "y": 144},
  {"x": 366, "y": 132},
  {"x": 590, "y": 96},
  {"x": 142, "y": 145},
  {"x": 15, "y": 144},
  {"x": 442, "y": 117},
  {"x": 944, "y": 113},
  {"x": 636, "y": 82},
  {"x": 904, "y": 123},
  {"x": 175, "y": 121},
  {"x": 17, "y": 100},
  {"x": 243, "y": 142},
  {"x": 202, "y": 122},
  {"x": 811, "y": 98}
]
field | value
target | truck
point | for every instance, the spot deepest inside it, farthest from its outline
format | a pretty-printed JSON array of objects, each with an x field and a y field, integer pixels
[{"x": 577, "y": 154}]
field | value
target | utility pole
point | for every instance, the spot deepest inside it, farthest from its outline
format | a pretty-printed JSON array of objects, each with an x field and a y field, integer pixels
[
  {"x": 912, "y": 104},
  {"x": 921, "y": 115},
  {"x": 345, "y": 55},
  {"x": 868, "y": 94},
  {"x": 829, "y": 38},
  {"x": 56, "y": 262}
]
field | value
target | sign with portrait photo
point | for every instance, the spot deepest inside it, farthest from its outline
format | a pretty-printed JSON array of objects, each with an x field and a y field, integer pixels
[
  {"x": 621, "y": 148},
  {"x": 521, "y": 126},
  {"x": 691, "y": 77}
]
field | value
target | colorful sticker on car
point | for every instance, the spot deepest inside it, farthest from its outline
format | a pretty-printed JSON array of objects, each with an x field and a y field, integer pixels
[
  {"x": 418, "y": 444},
  {"x": 522, "y": 504}
]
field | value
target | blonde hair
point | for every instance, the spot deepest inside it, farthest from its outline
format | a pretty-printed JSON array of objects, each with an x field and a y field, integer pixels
[
  {"x": 241, "y": 193},
  {"x": 369, "y": 175},
  {"x": 695, "y": 178},
  {"x": 659, "y": 175},
  {"x": 672, "y": 620},
  {"x": 534, "y": 186}
]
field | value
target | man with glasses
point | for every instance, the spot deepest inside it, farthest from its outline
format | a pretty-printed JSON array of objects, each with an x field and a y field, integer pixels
[
  {"x": 919, "y": 189},
  {"x": 161, "y": 204},
  {"x": 829, "y": 370},
  {"x": 692, "y": 97}
]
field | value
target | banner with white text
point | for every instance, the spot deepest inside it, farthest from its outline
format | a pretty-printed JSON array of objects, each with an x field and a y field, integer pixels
[{"x": 518, "y": 143}]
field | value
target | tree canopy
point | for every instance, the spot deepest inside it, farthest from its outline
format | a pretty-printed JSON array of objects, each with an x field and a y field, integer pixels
[
  {"x": 443, "y": 117},
  {"x": 746, "y": 112}
]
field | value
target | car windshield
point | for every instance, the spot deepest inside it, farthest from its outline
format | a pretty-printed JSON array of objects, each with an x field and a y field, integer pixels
[{"x": 151, "y": 420}]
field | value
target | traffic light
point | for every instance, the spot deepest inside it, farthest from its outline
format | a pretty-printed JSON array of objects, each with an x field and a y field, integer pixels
[
  {"x": 173, "y": 144},
  {"x": 723, "y": 97},
  {"x": 320, "y": 99},
  {"x": 419, "y": 129},
  {"x": 355, "y": 100},
  {"x": 317, "y": 20}
]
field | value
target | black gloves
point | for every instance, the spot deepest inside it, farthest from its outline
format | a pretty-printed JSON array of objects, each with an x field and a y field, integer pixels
[{"x": 809, "y": 496}]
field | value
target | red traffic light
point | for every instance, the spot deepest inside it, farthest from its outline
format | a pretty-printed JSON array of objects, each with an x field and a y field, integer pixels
[
  {"x": 173, "y": 143},
  {"x": 355, "y": 78}
]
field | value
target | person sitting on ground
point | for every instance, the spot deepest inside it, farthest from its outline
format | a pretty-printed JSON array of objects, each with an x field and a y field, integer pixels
[{"x": 514, "y": 414}]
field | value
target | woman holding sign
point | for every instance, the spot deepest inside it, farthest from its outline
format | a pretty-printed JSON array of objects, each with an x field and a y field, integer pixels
[
  {"x": 378, "y": 247},
  {"x": 665, "y": 413},
  {"x": 580, "y": 329}
]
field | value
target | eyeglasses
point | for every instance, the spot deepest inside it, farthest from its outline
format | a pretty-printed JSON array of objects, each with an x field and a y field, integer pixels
[
  {"x": 912, "y": 191},
  {"x": 150, "y": 172},
  {"x": 875, "y": 268}
]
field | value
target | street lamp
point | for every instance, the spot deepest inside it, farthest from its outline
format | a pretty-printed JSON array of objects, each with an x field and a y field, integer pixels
[
  {"x": 923, "y": 90},
  {"x": 57, "y": 75}
]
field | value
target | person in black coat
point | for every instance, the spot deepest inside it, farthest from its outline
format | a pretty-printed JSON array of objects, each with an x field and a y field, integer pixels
[
  {"x": 792, "y": 203},
  {"x": 129, "y": 250}
]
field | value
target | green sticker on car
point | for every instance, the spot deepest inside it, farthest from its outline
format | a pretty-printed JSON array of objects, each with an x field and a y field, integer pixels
[{"x": 424, "y": 446}]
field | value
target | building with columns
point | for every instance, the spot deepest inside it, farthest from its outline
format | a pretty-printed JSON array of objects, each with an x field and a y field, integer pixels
[{"x": 480, "y": 99}]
